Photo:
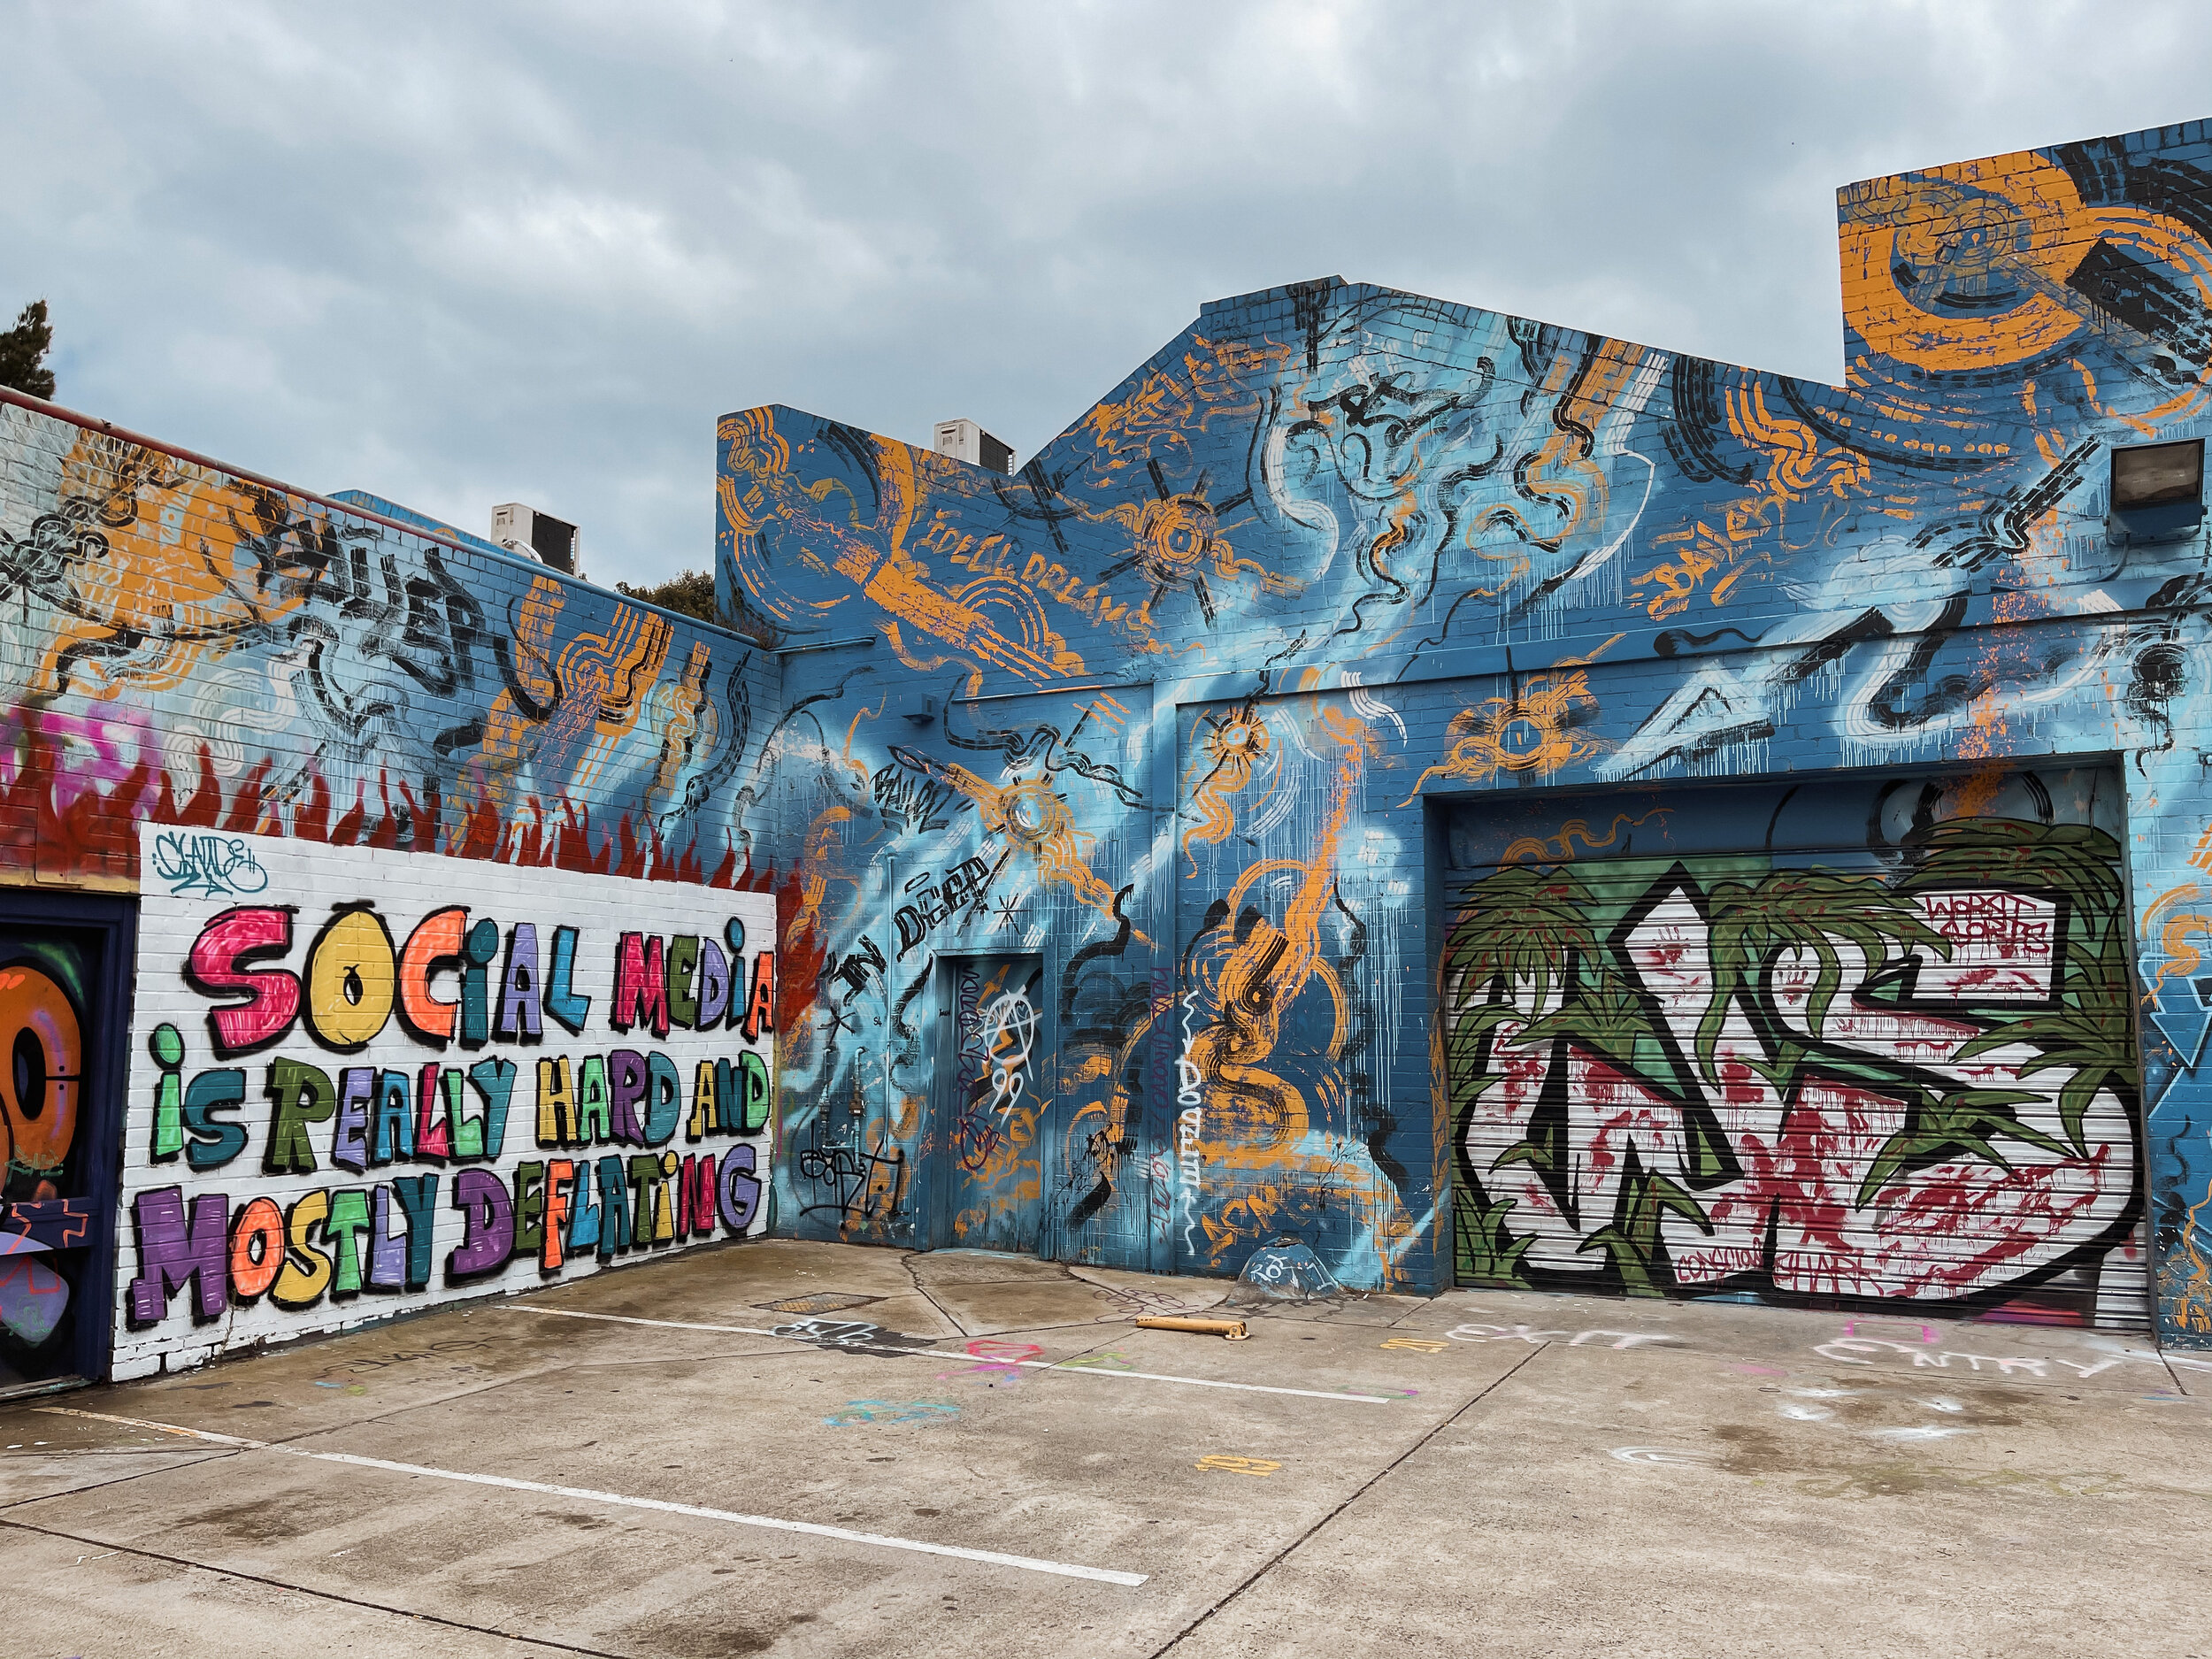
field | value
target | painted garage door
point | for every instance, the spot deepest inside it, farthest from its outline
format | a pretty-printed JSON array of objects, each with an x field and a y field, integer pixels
[{"x": 1858, "y": 1043}]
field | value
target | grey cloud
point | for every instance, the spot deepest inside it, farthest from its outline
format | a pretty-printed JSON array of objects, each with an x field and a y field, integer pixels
[{"x": 459, "y": 255}]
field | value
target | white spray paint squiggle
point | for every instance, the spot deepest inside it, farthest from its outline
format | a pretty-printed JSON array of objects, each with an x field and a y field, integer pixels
[{"x": 1190, "y": 1097}]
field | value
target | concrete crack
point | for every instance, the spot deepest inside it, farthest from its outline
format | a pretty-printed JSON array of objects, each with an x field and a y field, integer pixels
[
  {"x": 1359, "y": 1492},
  {"x": 921, "y": 1290},
  {"x": 322, "y": 1596},
  {"x": 186, "y": 1457}
]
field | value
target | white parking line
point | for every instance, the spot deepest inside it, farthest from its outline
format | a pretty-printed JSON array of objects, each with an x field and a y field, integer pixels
[
  {"x": 1064, "y": 1367},
  {"x": 1028, "y": 1563}
]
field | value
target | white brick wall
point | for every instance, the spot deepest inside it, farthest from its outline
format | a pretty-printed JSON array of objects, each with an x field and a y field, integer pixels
[{"x": 189, "y": 878}]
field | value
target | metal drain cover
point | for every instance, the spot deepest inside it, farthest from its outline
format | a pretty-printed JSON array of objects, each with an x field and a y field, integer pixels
[{"x": 821, "y": 1301}]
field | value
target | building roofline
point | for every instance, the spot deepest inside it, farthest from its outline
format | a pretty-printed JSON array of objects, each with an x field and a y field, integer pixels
[{"x": 92, "y": 422}]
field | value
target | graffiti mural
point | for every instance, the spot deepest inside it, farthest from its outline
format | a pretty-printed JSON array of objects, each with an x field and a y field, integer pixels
[
  {"x": 1785, "y": 1076},
  {"x": 1211, "y": 709},
  {"x": 1217, "y": 662},
  {"x": 197, "y": 650},
  {"x": 208, "y": 674},
  {"x": 368, "y": 1087}
]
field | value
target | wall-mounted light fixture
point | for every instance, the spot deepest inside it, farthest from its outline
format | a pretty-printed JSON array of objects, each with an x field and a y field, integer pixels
[
  {"x": 2154, "y": 474},
  {"x": 2157, "y": 490}
]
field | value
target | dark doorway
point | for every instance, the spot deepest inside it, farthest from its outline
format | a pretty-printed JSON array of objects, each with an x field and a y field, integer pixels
[{"x": 64, "y": 967}]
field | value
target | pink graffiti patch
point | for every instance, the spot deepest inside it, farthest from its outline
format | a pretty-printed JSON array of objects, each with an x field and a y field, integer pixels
[{"x": 997, "y": 1364}]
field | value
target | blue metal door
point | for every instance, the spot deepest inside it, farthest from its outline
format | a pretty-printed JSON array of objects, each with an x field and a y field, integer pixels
[{"x": 990, "y": 1110}]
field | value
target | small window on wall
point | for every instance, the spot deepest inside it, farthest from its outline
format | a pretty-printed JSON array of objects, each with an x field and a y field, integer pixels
[{"x": 2158, "y": 489}]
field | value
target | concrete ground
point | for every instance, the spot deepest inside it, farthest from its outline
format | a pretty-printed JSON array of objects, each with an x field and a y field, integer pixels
[{"x": 983, "y": 1453}]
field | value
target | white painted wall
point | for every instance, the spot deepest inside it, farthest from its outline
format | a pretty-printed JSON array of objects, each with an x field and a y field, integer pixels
[{"x": 191, "y": 878}]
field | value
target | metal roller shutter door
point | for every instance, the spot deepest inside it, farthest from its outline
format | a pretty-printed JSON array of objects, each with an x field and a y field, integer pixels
[{"x": 1841, "y": 1075}]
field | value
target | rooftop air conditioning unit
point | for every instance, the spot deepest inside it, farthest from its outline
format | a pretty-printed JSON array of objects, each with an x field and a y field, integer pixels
[
  {"x": 552, "y": 541},
  {"x": 964, "y": 441}
]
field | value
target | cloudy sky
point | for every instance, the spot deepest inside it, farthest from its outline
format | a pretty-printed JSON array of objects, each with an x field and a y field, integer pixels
[{"x": 460, "y": 254}]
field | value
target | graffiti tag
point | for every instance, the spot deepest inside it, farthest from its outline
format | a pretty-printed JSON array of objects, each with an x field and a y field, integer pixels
[
  {"x": 1573, "y": 1338},
  {"x": 211, "y": 865},
  {"x": 851, "y": 1335},
  {"x": 1848, "y": 1351},
  {"x": 921, "y": 1411}
]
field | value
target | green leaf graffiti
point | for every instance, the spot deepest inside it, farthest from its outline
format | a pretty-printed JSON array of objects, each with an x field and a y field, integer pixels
[
  {"x": 2092, "y": 1033},
  {"x": 1804, "y": 912},
  {"x": 1606, "y": 1018},
  {"x": 1541, "y": 987},
  {"x": 2074, "y": 861},
  {"x": 1487, "y": 1253},
  {"x": 1958, "y": 1121},
  {"x": 1632, "y": 1241},
  {"x": 1524, "y": 925}
]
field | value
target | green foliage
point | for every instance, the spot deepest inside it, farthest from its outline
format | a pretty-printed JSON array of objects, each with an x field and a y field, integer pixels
[
  {"x": 1522, "y": 925},
  {"x": 1799, "y": 910},
  {"x": 1632, "y": 1241},
  {"x": 23, "y": 352},
  {"x": 2073, "y": 861},
  {"x": 1960, "y": 1121},
  {"x": 2092, "y": 1033},
  {"x": 1606, "y": 1018},
  {"x": 1545, "y": 1150},
  {"x": 1487, "y": 1253},
  {"x": 692, "y": 595},
  {"x": 689, "y": 595},
  {"x": 1465, "y": 1073}
]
